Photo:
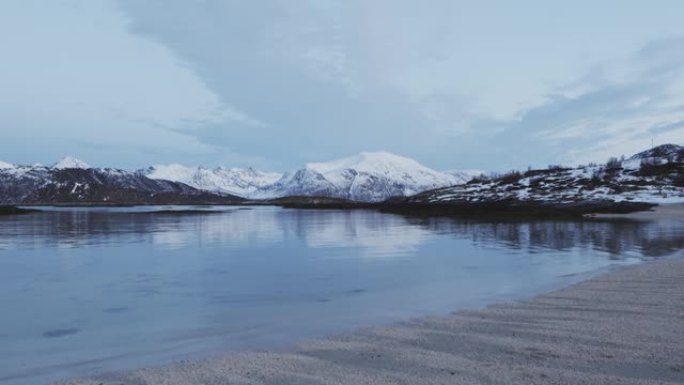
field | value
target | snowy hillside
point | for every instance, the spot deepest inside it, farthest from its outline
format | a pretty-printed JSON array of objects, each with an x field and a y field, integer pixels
[
  {"x": 236, "y": 181},
  {"x": 367, "y": 177},
  {"x": 656, "y": 176}
]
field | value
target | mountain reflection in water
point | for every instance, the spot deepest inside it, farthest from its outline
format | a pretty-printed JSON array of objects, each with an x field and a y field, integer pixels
[{"x": 374, "y": 233}]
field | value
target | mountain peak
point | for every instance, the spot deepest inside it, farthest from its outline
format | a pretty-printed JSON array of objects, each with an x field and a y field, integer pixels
[
  {"x": 378, "y": 161},
  {"x": 367, "y": 176},
  {"x": 70, "y": 162}
]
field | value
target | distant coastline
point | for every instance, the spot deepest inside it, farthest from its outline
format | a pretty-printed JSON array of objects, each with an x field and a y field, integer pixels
[
  {"x": 502, "y": 208},
  {"x": 494, "y": 209}
]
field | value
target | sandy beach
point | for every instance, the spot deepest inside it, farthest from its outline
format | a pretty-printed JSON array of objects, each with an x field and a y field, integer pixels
[{"x": 624, "y": 327}]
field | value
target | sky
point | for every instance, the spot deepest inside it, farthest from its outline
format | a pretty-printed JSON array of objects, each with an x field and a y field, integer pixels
[{"x": 274, "y": 84}]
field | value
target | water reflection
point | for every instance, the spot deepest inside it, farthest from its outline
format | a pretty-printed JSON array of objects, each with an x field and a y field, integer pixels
[
  {"x": 613, "y": 236},
  {"x": 87, "y": 290},
  {"x": 375, "y": 234}
]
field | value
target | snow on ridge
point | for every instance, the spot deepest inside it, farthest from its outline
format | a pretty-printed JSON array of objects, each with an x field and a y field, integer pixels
[
  {"x": 69, "y": 162},
  {"x": 385, "y": 164},
  {"x": 371, "y": 162},
  {"x": 173, "y": 172},
  {"x": 465, "y": 175},
  {"x": 236, "y": 181},
  {"x": 368, "y": 176},
  {"x": 6, "y": 166}
]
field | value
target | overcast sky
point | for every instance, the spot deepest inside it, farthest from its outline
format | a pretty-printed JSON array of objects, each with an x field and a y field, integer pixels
[{"x": 278, "y": 83}]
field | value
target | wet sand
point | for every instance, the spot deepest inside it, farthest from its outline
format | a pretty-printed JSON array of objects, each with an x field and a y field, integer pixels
[{"x": 624, "y": 327}]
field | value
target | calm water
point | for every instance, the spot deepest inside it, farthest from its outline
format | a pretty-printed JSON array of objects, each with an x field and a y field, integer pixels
[{"x": 89, "y": 290}]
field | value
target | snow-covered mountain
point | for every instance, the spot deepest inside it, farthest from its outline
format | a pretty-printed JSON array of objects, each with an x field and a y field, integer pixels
[
  {"x": 654, "y": 176},
  {"x": 236, "y": 181},
  {"x": 73, "y": 181},
  {"x": 367, "y": 177},
  {"x": 70, "y": 162}
]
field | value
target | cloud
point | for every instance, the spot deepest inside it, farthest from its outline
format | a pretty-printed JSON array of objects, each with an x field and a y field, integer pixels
[
  {"x": 622, "y": 106},
  {"x": 332, "y": 77},
  {"x": 72, "y": 73},
  {"x": 467, "y": 84},
  {"x": 322, "y": 75}
]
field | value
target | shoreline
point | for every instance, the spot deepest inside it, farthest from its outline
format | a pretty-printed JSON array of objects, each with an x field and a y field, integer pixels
[
  {"x": 622, "y": 327},
  {"x": 489, "y": 210},
  {"x": 660, "y": 212},
  {"x": 14, "y": 210}
]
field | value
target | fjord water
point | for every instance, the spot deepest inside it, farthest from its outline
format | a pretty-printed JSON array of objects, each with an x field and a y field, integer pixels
[{"x": 93, "y": 290}]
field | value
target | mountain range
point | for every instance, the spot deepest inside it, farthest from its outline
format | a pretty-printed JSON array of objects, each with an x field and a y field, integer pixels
[
  {"x": 71, "y": 181},
  {"x": 655, "y": 175},
  {"x": 366, "y": 177}
]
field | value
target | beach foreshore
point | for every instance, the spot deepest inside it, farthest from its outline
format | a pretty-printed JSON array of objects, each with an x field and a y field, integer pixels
[{"x": 624, "y": 327}]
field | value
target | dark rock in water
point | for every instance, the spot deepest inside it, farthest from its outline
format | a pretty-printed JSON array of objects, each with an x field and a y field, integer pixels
[
  {"x": 13, "y": 210},
  {"x": 57, "y": 333},
  {"x": 511, "y": 208}
]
